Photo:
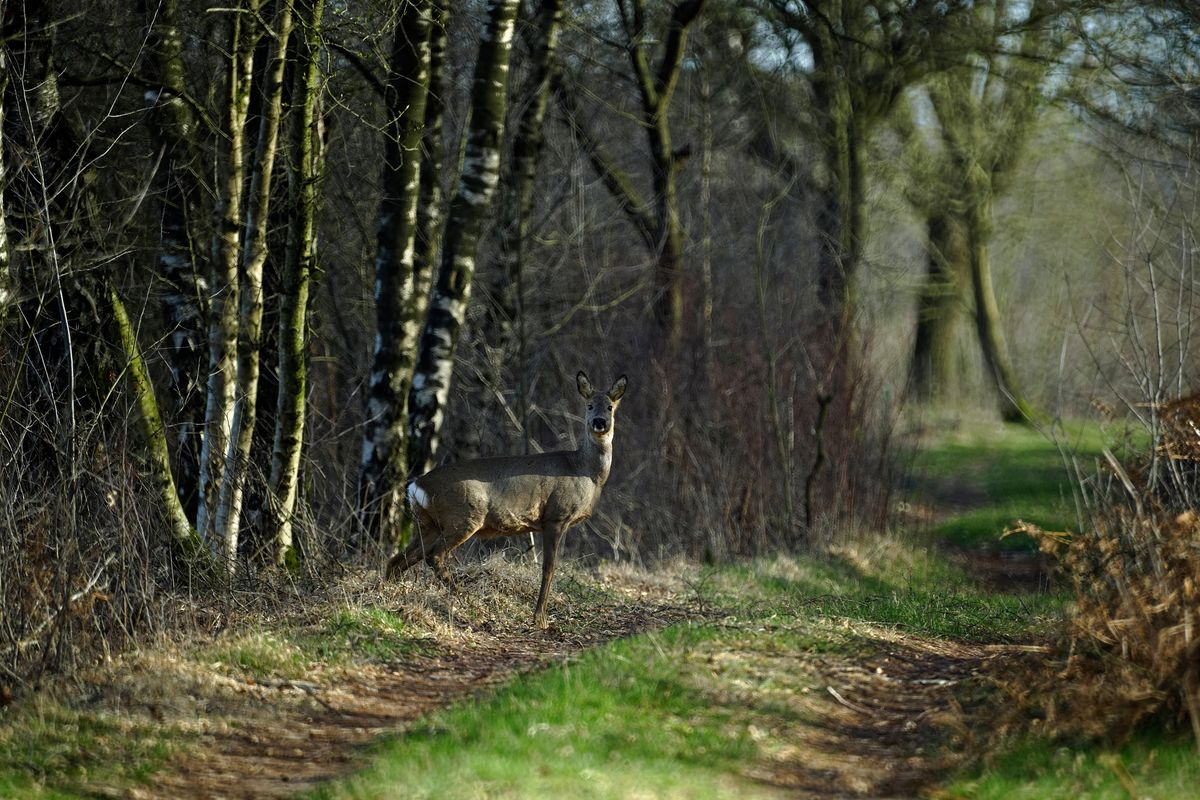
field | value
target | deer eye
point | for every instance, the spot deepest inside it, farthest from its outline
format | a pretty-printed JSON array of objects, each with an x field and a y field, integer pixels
[{"x": 589, "y": 406}]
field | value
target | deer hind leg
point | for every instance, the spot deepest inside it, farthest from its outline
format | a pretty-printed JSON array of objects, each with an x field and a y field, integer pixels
[
  {"x": 435, "y": 555},
  {"x": 426, "y": 541}
]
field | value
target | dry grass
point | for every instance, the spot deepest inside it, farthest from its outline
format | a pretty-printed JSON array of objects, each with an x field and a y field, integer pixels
[
  {"x": 290, "y": 688},
  {"x": 1131, "y": 652}
]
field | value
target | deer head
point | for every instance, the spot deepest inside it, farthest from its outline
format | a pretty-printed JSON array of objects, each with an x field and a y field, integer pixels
[{"x": 601, "y": 407}]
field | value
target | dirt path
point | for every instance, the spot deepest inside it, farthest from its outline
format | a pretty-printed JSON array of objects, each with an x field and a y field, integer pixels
[
  {"x": 277, "y": 738},
  {"x": 886, "y": 720}
]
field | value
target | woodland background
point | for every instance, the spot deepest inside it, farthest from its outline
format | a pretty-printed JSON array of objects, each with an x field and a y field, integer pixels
[{"x": 262, "y": 261}]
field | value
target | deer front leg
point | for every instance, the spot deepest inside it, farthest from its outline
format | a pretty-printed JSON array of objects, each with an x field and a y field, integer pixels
[{"x": 551, "y": 538}]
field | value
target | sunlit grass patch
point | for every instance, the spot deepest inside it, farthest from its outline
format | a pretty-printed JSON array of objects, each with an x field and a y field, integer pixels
[
  {"x": 360, "y": 633},
  {"x": 1037, "y": 769},
  {"x": 623, "y": 721},
  {"x": 258, "y": 653},
  {"x": 889, "y": 582},
  {"x": 48, "y": 750},
  {"x": 1005, "y": 473}
]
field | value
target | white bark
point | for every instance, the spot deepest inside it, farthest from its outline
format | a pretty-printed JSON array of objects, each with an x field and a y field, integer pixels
[
  {"x": 223, "y": 328},
  {"x": 254, "y": 256}
]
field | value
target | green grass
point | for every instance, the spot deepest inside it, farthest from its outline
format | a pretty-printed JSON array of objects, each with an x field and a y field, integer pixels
[
  {"x": 1150, "y": 766},
  {"x": 49, "y": 751},
  {"x": 1021, "y": 472},
  {"x": 885, "y": 582},
  {"x": 694, "y": 710},
  {"x": 345, "y": 635},
  {"x": 349, "y": 633},
  {"x": 627, "y": 720}
]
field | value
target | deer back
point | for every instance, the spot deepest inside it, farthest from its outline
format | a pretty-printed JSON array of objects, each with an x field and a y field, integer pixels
[{"x": 508, "y": 495}]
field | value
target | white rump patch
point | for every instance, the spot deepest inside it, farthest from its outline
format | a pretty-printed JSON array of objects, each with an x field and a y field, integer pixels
[{"x": 417, "y": 496}]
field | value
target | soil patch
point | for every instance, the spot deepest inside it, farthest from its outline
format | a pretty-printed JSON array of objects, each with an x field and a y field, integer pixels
[{"x": 264, "y": 738}]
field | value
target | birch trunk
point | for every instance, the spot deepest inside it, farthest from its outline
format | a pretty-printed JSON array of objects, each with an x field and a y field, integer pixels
[
  {"x": 516, "y": 194},
  {"x": 304, "y": 192},
  {"x": 254, "y": 256},
  {"x": 223, "y": 325},
  {"x": 448, "y": 304},
  {"x": 172, "y": 127},
  {"x": 382, "y": 468},
  {"x": 7, "y": 285},
  {"x": 187, "y": 544},
  {"x": 429, "y": 200}
]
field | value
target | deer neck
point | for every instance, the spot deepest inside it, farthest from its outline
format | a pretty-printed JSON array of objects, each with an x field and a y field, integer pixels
[{"x": 595, "y": 457}]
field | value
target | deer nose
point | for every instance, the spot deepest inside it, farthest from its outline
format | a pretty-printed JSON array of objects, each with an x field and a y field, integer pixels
[{"x": 599, "y": 425}]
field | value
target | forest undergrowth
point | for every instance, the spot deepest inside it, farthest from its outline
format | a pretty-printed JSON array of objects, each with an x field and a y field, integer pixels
[{"x": 864, "y": 671}]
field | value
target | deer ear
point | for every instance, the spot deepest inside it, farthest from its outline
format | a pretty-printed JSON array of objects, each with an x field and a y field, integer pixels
[
  {"x": 618, "y": 389},
  {"x": 584, "y": 385}
]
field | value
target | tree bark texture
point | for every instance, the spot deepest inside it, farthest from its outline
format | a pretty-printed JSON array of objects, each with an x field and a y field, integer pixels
[
  {"x": 399, "y": 308},
  {"x": 516, "y": 193},
  {"x": 186, "y": 543},
  {"x": 173, "y": 129},
  {"x": 7, "y": 284},
  {"x": 254, "y": 256},
  {"x": 224, "y": 280},
  {"x": 304, "y": 195},
  {"x": 429, "y": 198},
  {"x": 936, "y": 362},
  {"x": 992, "y": 341},
  {"x": 448, "y": 303}
]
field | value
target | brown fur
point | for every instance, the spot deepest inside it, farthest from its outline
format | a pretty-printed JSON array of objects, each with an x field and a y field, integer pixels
[{"x": 508, "y": 496}]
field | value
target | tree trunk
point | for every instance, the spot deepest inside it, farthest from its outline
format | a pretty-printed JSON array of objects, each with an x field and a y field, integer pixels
[
  {"x": 254, "y": 256},
  {"x": 840, "y": 216},
  {"x": 398, "y": 307},
  {"x": 516, "y": 193},
  {"x": 172, "y": 128},
  {"x": 187, "y": 544},
  {"x": 429, "y": 198},
  {"x": 997, "y": 362},
  {"x": 935, "y": 370},
  {"x": 7, "y": 284},
  {"x": 223, "y": 322},
  {"x": 304, "y": 194},
  {"x": 657, "y": 87},
  {"x": 448, "y": 305}
]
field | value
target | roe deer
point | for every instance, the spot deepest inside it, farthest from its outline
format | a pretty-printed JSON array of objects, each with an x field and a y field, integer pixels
[{"x": 547, "y": 493}]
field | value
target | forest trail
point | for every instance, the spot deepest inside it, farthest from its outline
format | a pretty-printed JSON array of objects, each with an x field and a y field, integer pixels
[
  {"x": 872, "y": 723},
  {"x": 265, "y": 737},
  {"x": 840, "y": 685}
]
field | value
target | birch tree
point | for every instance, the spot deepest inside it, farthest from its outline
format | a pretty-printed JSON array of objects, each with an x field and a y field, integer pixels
[
  {"x": 398, "y": 306},
  {"x": 224, "y": 278},
  {"x": 304, "y": 193},
  {"x": 448, "y": 303},
  {"x": 516, "y": 192},
  {"x": 254, "y": 256},
  {"x": 187, "y": 544},
  {"x": 429, "y": 199}
]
